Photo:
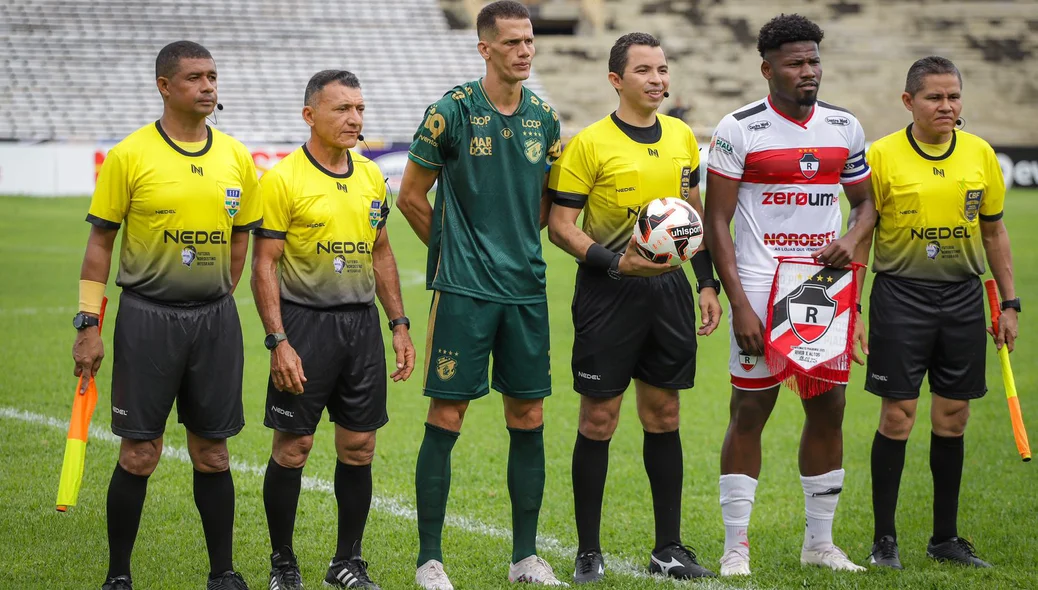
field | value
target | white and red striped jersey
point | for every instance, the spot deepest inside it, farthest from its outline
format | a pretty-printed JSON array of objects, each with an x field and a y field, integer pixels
[{"x": 790, "y": 173}]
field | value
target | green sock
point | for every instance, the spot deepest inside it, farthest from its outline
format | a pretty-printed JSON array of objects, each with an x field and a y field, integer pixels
[
  {"x": 526, "y": 488},
  {"x": 432, "y": 482}
]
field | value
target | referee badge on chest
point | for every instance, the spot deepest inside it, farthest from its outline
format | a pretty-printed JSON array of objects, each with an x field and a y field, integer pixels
[
  {"x": 686, "y": 178},
  {"x": 972, "y": 206},
  {"x": 375, "y": 214},
  {"x": 232, "y": 201}
]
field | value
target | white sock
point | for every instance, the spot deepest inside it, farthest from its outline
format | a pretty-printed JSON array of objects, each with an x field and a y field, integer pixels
[
  {"x": 821, "y": 495},
  {"x": 737, "y": 491}
]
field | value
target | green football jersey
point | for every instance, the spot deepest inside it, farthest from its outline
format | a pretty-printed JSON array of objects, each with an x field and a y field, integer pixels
[{"x": 486, "y": 237}]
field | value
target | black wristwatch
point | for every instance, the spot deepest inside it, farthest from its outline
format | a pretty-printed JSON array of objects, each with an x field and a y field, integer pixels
[
  {"x": 1011, "y": 304},
  {"x": 272, "y": 340},
  {"x": 400, "y": 321},
  {"x": 705, "y": 283},
  {"x": 82, "y": 321},
  {"x": 614, "y": 268}
]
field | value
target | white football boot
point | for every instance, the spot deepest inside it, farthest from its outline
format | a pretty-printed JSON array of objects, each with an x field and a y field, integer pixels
[
  {"x": 831, "y": 557},
  {"x": 432, "y": 577},
  {"x": 736, "y": 562},
  {"x": 533, "y": 570}
]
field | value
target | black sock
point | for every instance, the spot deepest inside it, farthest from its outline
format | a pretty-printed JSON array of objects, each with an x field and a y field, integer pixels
[
  {"x": 214, "y": 498},
  {"x": 281, "y": 499},
  {"x": 946, "y": 455},
  {"x": 353, "y": 496},
  {"x": 888, "y": 461},
  {"x": 126, "y": 494},
  {"x": 663, "y": 464},
  {"x": 590, "y": 465}
]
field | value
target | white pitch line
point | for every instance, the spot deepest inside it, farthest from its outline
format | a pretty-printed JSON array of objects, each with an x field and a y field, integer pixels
[{"x": 392, "y": 506}]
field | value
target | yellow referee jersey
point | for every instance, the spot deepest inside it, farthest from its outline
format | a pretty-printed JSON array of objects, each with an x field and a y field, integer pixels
[
  {"x": 611, "y": 169},
  {"x": 179, "y": 209},
  {"x": 931, "y": 201},
  {"x": 329, "y": 223}
]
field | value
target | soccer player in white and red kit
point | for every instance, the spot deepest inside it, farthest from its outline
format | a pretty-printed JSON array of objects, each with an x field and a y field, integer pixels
[{"x": 776, "y": 165}]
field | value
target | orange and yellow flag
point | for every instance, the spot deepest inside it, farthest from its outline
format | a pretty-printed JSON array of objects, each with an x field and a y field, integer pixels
[{"x": 75, "y": 447}]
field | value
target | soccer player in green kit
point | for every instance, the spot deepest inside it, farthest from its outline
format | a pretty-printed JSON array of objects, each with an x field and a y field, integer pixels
[{"x": 488, "y": 142}]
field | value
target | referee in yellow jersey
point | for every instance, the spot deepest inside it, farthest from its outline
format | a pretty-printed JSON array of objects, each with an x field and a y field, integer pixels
[
  {"x": 324, "y": 229},
  {"x": 187, "y": 196},
  {"x": 940, "y": 193},
  {"x": 632, "y": 318}
]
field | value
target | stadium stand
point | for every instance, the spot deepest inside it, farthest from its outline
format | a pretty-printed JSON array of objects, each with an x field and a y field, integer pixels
[
  {"x": 869, "y": 44},
  {"x": 72, "y": 70}
]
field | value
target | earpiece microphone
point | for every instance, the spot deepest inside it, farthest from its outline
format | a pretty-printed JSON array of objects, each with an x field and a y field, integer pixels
[
  {"x": 360, "y": 137},
  {"x": 666, "y": 95},
  {"x": 219, "y": 107},
  {"x": 960, "y": 123}
]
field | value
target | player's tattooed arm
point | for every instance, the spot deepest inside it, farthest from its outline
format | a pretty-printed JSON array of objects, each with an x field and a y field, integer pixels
[
  {"x": 718, "y": 213},
  {"x": 413, "y": 201}
]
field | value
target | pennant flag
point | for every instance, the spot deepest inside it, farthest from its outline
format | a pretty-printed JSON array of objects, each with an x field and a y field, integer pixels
[
  {"x": 75, "y": 446},
  {"x": 810, "y": 328}
]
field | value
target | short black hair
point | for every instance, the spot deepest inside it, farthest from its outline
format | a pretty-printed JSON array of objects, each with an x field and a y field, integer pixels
[
  {"x": 618, "y": 54},
  {"x": 486, "y": 21},
  {"x": 169, "y": 57},
  {"x": 929, "y": 66},
  {"x": 325, "y": 77},
  {"x": 787, "y": 28}
]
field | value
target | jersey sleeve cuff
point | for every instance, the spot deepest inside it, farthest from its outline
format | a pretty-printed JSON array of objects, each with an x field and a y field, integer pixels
[
  {"x": 723, "y": 175},
  {"x": 991, "y": 218},
  {"x": 263, "y": 232},
  {"x": 102, "y": 223},
  {"x": 248, "y": 226},
  {"x": 572, "y": 200},
  {"x": 852, "y": 182},
  {"x": 423, "y": 162}
]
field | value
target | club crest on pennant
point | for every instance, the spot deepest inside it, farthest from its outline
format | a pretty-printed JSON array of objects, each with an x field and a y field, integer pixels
[
  {"x": 232, "y": 201},
  {"x": 809, "y": 165},
  {"x": 375, "y": 214},
  {"x": 810, "y": 325}
]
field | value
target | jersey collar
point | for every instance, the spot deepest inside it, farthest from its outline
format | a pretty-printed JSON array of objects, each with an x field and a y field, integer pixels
[
  {"x": 915, "y": 146},
  {"x": 522, "y": 101},
  {"x": 803, "y": 125},
  {"x": 173, "y": 144},
  {"x": 349, "y": 164}
]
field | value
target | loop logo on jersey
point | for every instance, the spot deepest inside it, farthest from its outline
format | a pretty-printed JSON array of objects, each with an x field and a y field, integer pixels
[
  {"x": 232, "y": 201},
  {"x": 809, "y": 165},
  {"x": 810, "y": 325}
]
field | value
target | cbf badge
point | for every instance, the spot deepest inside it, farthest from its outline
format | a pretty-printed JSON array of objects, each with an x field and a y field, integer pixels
[
  {"x": 972, "y": 206},
  {"x": 232, "y": 201},
  {"x": 375, "y": 214}
]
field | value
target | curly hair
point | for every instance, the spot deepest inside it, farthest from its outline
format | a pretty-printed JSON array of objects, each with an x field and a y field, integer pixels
[{"x": 787, "y": 28}]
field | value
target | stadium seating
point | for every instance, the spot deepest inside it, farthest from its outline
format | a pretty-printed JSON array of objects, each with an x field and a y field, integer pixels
[
  {"x": 869, "y": 44},
  {"x": 85, "y": 70}
]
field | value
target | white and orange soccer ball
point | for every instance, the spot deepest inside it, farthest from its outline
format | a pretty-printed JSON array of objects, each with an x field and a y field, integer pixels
[{"x": 668, "y": 231}]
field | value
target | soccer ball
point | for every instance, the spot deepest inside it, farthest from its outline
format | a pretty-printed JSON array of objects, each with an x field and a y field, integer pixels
[{"x": 668, "y": 231}]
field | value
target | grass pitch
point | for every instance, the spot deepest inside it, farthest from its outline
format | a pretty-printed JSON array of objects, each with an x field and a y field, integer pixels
[{"x": 40, "y": 256}]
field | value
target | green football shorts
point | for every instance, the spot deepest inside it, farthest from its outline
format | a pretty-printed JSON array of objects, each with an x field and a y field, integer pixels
[{"x": 464, "y": 332}]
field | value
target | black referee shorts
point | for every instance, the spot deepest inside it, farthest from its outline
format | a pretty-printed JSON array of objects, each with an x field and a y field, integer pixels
[
  {"x": 634, "y": 327},
  {"x": 344, "y": 361},
  {"x": 936, "y": 328},
  {"x": 189, "y": 354}
]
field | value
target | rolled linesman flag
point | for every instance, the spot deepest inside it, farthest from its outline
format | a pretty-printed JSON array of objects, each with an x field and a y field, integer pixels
[
  {"x": 78, "y": 428},
  {"x": 810, "y": 328},
  {"x": 1016, "y": 417}
]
